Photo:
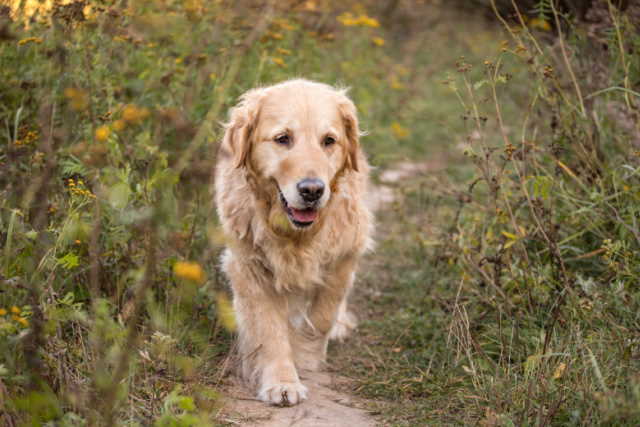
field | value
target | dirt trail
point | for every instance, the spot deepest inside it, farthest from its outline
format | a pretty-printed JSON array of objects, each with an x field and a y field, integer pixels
[{"x": 325, "y": 407}]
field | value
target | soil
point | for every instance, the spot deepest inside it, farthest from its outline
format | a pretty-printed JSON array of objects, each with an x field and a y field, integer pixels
[{"x": 325, "y": 407}]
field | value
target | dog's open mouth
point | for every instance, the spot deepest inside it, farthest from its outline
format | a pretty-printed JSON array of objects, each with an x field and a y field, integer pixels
[{"x": 299, "y": 217}]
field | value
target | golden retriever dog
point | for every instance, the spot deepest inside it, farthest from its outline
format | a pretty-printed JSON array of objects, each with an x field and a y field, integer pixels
[{"x": 290, "y": 184}]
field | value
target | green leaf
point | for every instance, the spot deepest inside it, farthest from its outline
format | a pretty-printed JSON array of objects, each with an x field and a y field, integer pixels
[
  {"x": 186, "y": 403},
  {"x": 119, "y": 195},
  {"x": 69, "y": 261},
  {"x": 542, "y": 186}
]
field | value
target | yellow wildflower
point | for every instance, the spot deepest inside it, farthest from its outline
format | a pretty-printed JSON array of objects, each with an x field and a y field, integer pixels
[
  {"x": 71, "y": 92},
  {"x": 378, "y": 41},
  {"x": 540, "y": 24},
  {"x": 102, "y": 133},
  {"x": 189, "y": 271},
  {"x": 130, "y": 113},
  {"x": 367, "y": 21},
  {"x": 133, "y": 114},
  {"x": 23, "y": 321},
  {"x": 15, "y": 310},
  {"x": 282, "y": 51},
  {"x": 213, "y": 76},
  {"x": 3, "y": 311},
  {"x": 178, "y": 61},
  {"x": 349, "y": 20},
  {"x": 278, "y": 61},
  {"x": 78, "y": 98},
  {"x": 119, "y": 125},
  {"x": 399, "y": 131}
]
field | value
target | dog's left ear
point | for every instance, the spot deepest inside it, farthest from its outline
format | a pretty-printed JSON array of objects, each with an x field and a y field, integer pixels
[
  {"x": 352, "y": 130},
  {"x": 241, "y": 126}
]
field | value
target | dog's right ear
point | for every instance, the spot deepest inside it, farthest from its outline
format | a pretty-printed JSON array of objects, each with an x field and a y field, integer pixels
[{"x": 240, "y": 128}]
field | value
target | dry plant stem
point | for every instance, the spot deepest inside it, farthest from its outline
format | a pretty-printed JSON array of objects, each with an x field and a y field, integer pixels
[
  {"x": 517, "y": 169},
  {"x": 489, "y": 280},
  {"x": 37, "y": 191},
  {"x": 94, "y": 289},
  {"x": 505, "y": 138},
  {"x": 522, "y": 24},
  {"x": 484, "y": 166},
  {"x": 108, "y": 401},
  {"x": 625, "y": 67},
  {"x": 94, "y": 253},
  {"x": 550, "y": 242},
  {"x": 531, "y": 37},
  {"x": 213, "y": 114},
  {"x": 565, "y": 56}
]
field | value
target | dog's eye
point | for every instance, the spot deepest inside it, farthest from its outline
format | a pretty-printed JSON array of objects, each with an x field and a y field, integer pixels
[
  {"x": 328, "y": 141},
  {"x": 282, "y": 139}
]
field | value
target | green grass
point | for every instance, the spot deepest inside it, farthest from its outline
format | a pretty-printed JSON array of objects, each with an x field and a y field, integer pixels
[{"x": 504, "y": 287}]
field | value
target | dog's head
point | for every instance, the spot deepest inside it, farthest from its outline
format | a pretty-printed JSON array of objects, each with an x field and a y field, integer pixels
[{"x": 297, "y": 137}]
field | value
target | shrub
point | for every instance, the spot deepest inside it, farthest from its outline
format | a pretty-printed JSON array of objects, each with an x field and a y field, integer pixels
[{"x": 547, "y": 229}]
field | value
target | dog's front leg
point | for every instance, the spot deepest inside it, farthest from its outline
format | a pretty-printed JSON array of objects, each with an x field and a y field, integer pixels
[
  {"x": 327, "y": 312},
  {"x": 263, "y": 334}
]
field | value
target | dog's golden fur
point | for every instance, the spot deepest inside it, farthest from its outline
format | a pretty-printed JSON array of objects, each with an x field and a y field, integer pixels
[{"x": 291, "y": 279}]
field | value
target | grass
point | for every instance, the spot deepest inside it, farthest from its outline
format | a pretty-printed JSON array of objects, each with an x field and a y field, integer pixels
[{"x": 503, "y": 290}]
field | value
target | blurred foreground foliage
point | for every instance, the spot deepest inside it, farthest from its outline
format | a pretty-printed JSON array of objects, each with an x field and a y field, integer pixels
[{"x": 109, "y": 116}]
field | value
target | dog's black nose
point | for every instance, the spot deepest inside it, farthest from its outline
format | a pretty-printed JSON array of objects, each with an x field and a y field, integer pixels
[{"x": 311, "y": 189}]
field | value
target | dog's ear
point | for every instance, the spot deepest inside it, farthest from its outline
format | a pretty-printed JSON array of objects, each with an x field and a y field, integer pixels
[
  {"x": 352, "y": 130},
  {"x": 239, "y": 130}
]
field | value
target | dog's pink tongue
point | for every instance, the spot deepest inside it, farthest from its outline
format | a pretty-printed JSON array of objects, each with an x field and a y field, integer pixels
[{"x": 304, "y": 215}]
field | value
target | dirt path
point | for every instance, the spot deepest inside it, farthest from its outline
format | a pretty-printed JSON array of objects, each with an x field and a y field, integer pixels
[{"x": 325, "y": 407}]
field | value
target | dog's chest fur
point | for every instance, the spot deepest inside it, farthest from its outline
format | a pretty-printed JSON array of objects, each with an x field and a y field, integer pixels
[{"x": 294, "y": 264}]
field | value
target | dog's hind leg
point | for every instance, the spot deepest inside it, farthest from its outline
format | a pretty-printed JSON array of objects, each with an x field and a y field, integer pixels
[{"x": 345, "y": 323}]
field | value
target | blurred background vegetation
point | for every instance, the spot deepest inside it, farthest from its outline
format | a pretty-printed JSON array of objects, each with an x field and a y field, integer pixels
[{"x": 504, "y": 290}]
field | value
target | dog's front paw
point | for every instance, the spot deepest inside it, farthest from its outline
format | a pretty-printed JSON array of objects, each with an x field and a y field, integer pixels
[{"x": 283, "y": 394}]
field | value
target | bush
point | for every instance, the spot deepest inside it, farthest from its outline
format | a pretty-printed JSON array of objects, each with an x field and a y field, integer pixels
[{"x": 547, "y": 230}]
